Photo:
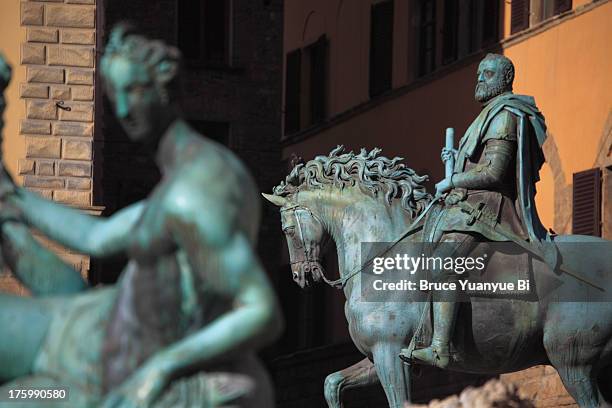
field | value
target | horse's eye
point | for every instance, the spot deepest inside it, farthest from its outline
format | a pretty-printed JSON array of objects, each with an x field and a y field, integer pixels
[{"x": 289, "y": 231}]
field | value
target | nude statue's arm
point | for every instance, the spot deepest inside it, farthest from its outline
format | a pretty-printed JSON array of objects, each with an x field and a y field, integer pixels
[
  {"x": 223, "y": 255},
  {"x": 87, "y": 234}
]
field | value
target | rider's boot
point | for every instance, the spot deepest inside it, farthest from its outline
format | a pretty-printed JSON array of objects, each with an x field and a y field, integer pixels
[{"x": 438, "y": 353}]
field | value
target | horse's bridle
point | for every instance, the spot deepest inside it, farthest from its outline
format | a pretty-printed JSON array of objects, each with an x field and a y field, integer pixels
[{"x": 307, "y": 256}]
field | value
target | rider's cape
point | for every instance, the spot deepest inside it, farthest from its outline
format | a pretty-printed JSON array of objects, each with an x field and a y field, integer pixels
[{"x": 531, "y": 134}]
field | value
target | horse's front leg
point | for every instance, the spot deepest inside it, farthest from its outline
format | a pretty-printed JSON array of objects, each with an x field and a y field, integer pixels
[
  {"x": 392, "y": 373},
  {"x": 358, "y": 375}
]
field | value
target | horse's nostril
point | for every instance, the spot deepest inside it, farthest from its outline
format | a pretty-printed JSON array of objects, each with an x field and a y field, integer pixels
[{"x": 295, "y": 275}]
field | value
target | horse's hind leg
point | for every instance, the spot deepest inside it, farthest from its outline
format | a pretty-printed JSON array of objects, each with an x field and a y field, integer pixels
[
  {"x": 360, "y": 374},
  {"x": 393, "y": 374}
]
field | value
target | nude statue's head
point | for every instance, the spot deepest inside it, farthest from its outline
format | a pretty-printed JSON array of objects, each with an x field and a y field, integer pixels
[
  {"x": 5, "y": 77},
  {"x": 495, "y": 76},
  {"x": 140, "y": 78}
]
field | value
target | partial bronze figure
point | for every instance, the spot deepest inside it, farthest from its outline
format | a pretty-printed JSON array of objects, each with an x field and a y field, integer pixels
[{"x": 192, "y": 301}]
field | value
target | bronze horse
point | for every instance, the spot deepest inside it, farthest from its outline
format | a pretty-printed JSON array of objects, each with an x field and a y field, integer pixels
[{"x": 361, "y": 198}]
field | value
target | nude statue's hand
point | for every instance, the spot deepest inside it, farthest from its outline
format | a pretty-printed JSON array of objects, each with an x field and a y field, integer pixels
[
  {"x": 447, "y": 154},
  {"x": 141, "y": 390},
  {"x": 7, "y": 185}
]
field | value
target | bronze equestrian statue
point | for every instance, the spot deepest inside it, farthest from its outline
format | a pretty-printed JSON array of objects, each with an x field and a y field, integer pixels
[
  {"x": 355, "y": 199},
  {"x": 181, "y": 326}
]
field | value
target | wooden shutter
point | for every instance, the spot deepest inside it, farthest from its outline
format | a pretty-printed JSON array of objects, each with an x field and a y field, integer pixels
[
  {"x": 586, "y": 211},
  {"x": 450, "y": 31},
  {"x": 292, "y": 91},
  {"x": 519, "y": 19},
  {"x": 561, "y": 6},
  {"x": 381, "y": 47},
  {"x": 318, "y": 80}
]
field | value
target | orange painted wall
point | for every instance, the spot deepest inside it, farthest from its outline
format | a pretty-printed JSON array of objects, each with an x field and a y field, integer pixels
[
  {"x": 566, "y": 65},
  {"x": 11, "y": 37},
  {"x": 568, "y": 68}
]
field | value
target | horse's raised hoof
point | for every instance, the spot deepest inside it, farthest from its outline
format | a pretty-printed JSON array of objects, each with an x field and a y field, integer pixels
[{"x": 435, "y": 356}]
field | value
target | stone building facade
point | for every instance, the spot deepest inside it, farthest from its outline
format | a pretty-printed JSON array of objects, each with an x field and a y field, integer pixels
[{"x": 57, "y": 47}]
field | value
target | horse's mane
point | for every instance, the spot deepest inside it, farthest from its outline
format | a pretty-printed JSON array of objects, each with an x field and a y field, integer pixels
[{"x": 372, "y": 173}]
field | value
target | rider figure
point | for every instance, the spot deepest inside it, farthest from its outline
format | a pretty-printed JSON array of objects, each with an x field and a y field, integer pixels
[{"x": 496, "y": 167}]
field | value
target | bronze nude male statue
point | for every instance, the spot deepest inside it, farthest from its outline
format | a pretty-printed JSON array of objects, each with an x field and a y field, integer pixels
[{"x": 193, "y": 298}]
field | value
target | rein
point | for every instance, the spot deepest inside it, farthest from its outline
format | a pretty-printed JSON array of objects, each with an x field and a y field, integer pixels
[{"x": 342, "y": 281}]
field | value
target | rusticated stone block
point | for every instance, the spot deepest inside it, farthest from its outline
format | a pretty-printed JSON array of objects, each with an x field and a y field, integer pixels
[
  {"x": 36, "y": 109},
  {"x": 79, "y": 77},
  {"x": 70, "y": 56},
  {"x": 36, "y": 127},
  {"x": 32, "y": 13},
  {"x": 83, "y": 93},
  {"x": 47, "y": 194},
  {"x": 34, "y": 91},
  {"x": 72, "y": 197},
  {"x": 43, "y": 74},
  {"x": 77, "y": 150},
  {"x": 25, "y": 166},
  {"x": 46, "y": 35},
  {"x": 74, "y": 169},
  {"x": 43, "y": 147},
  {"x": 80, "y": 183},
  {"x": 43, "y": 182},
  {"x": 79, "y": 112},
  {"x": 60, "y": 93},
  {"x": 70, "y": 16},
  {"x": 32, "y": 54},
  {"x": 87, "y": 37},
  {"x": 45, "y": 168},
  {"x": 73, "y": 129}
]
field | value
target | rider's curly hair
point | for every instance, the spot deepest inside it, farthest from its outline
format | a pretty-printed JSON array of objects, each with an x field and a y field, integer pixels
[{"x": 372, "y": 173}]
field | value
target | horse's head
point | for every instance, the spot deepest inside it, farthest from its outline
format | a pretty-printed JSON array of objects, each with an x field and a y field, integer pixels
[{"x": 305, "y": 236}]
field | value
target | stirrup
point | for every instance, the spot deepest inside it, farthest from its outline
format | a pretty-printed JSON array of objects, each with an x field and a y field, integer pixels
[{"x": 433, "y": 356}]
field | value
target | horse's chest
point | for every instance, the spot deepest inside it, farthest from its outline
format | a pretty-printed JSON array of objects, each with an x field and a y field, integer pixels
[{"x": 373, "y": 322}]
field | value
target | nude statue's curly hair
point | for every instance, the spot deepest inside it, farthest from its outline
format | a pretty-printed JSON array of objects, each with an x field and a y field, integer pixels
[
  {"x": 161, "y": 60},
  {"x": 372, "y": 173}
]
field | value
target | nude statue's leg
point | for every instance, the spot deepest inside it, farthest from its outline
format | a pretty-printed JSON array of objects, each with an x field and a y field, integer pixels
[
  {"x": 38, "y": 268},
  {"x": 358, "y": 375},
  {"x": 24, "y": 322}
]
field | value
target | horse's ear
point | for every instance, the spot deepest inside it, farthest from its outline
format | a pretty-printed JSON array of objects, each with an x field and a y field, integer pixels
[{"x": 274, "y": 199}]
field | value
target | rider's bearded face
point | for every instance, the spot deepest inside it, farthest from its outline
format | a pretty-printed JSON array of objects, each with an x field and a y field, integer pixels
[{"x": 491, "y": 81}]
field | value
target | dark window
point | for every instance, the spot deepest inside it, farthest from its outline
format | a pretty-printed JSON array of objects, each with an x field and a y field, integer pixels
[
  {"x": 292, "y": 91},
  {"x": 318, "y": 80},
  {"x": 490, "y": 21},
  {"x": 381, "y": 47},
  {"x": 217, "y": 131},
  {"x": 203, "y": 31},
  {"x": 519, "y": 19},
  {"x": 427, "y": 36},
  {"x": 551, "y": 8},
  {"x": 450, "y": 31},
  {"x": 586, "y": 210},
  {"x": 306, "y": 86}
]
